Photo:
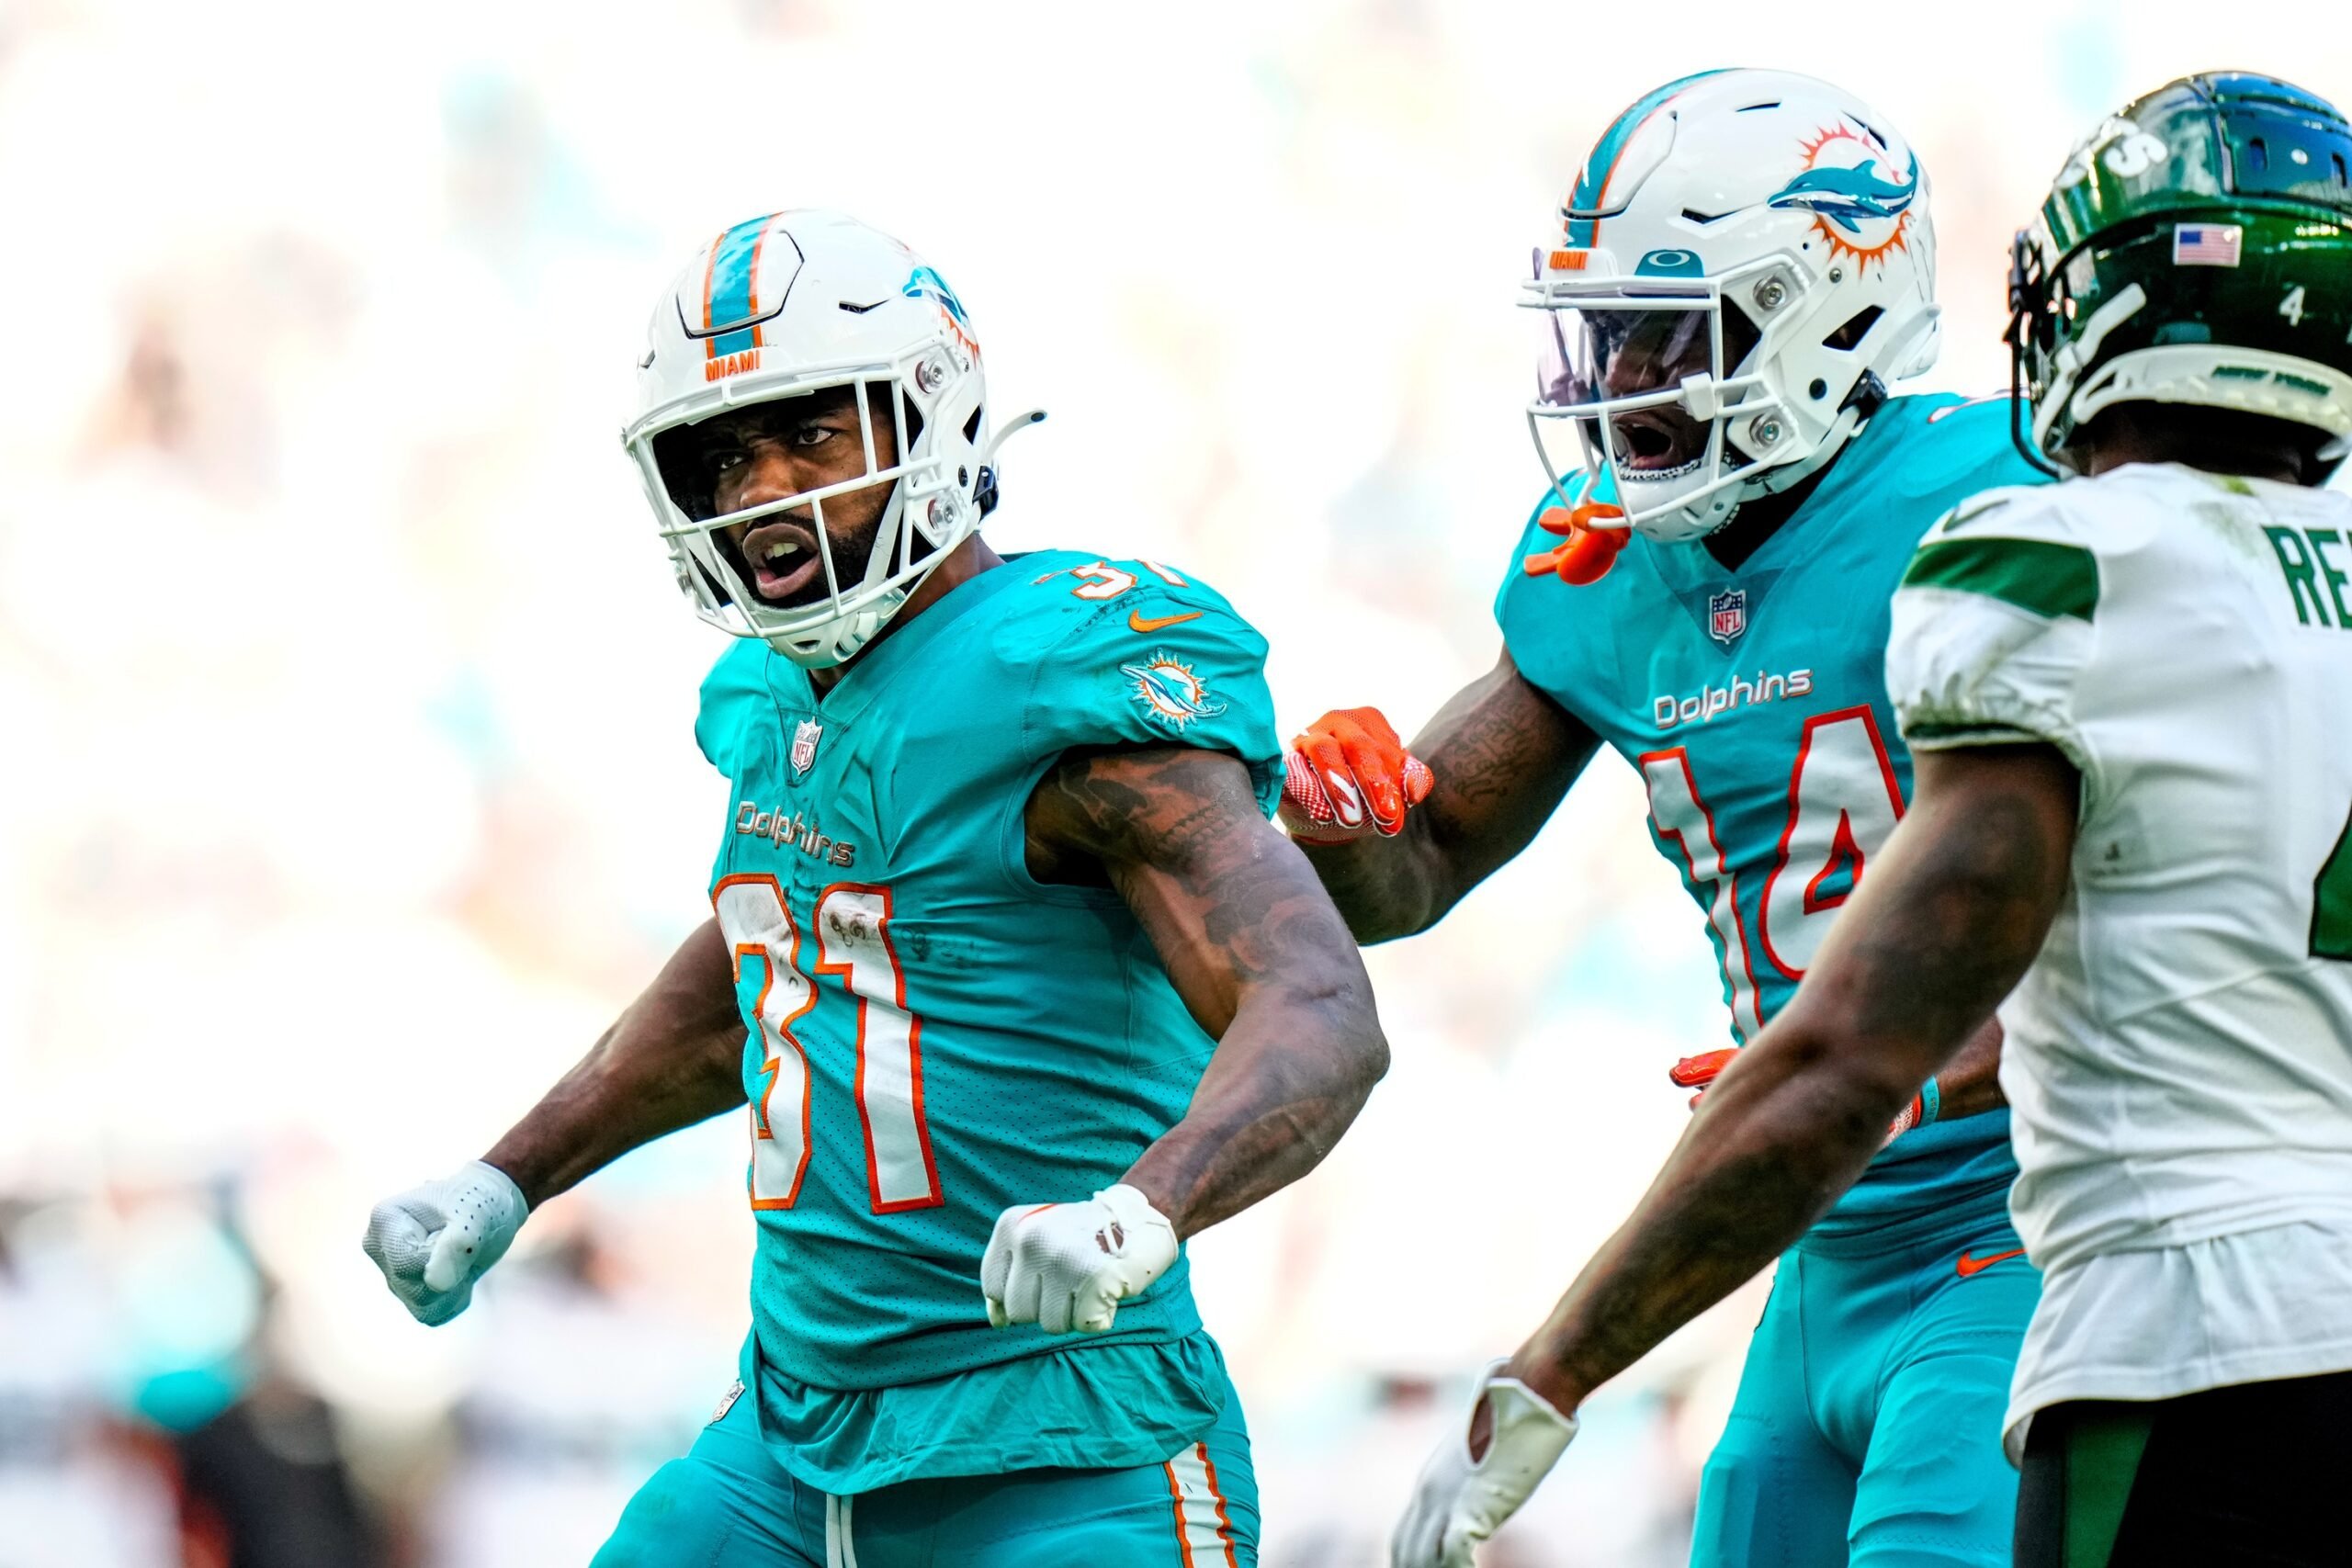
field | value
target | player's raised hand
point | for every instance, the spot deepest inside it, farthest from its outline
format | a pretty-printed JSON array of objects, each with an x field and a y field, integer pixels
[
  {"x": 1348, "y": 775},
  {"x": 1065, "y": 1266},
  {"x": 433, "y": 1241},
  {"x": 1462, "y": 1498}
]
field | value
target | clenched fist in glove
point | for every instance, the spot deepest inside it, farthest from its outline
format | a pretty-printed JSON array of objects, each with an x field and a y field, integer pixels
[
  {"x": 1349, "y": 775},
  {"x": 433, "y": 1241},
  {"x": 1065, "y": 1266}
]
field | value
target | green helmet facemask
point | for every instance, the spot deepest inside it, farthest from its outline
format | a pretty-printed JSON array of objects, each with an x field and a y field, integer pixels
[{"x": 2196, "y": 248}]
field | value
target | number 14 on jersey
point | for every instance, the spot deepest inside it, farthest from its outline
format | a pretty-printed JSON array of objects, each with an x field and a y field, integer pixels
[{"x": 1844, "y": 801}]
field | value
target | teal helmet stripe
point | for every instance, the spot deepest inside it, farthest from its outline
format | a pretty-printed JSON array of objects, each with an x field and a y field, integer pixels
[
  {"x": 731, "y": 288},
  {"x": 1592, "y": 180}
]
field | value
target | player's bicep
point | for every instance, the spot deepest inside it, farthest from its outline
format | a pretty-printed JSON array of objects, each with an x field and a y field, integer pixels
[
  {"x": 1228, "y": 902},
  {"x": 1504, "y": 756}
]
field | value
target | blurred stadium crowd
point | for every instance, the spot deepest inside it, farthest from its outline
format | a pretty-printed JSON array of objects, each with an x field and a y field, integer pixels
[{"x": 349, "y": 786}]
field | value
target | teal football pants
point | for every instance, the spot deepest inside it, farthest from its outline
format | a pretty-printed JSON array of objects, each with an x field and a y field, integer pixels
[
  {"x": 729, "y": 1504},
  {"x": 1867, "y": 1429}
]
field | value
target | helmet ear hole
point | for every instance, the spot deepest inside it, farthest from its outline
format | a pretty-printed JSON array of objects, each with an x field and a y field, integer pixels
[
  {"x": 972, "y": 425},
  {"x": 1856, "y": 327}
]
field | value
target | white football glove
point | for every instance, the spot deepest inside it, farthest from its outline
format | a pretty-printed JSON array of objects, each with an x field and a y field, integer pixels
[
  {"x": 433, "y": 1241},
  {"x": 1460, "y": 1501},
  {"x": 1065, "y": 1266}
]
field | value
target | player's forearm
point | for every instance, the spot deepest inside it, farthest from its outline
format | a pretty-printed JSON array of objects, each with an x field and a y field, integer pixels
[
  {"x": 673, "y": 1059},
  {"x": 1252, "y": 945},
  {"x": 1294, "y": 1068},
  {"x": 1385, "y": 889},
  {"x": 1501, "y": 755},
  {"x": 1941, "y": 931},
  {"x": 1757, "y": 1166}
]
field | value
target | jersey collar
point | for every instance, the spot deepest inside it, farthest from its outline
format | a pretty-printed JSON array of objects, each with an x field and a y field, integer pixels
[{"x": 866, "y": 680}]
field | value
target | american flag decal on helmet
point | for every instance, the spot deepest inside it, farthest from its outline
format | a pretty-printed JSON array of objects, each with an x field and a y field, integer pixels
[{"x": 2206, "y": 244}]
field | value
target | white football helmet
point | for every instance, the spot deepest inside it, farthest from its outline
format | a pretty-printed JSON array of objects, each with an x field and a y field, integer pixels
[
  {"x": 1746, "y": 259},
  {"x": 779, "y": 306}
]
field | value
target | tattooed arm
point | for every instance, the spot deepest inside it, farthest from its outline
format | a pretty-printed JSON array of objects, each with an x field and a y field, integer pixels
[
  {"x": 1946, "y": 923},
  {"x": 1252, "y": 945},
  {"x": 1504, "y": 755},
  {"x": 674, "y": 1058}
]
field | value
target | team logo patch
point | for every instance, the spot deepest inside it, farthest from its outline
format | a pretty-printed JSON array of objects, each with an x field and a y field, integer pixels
[
  {"x": 1860, "y": 203},
  {"x": 1727, "y": 615},
  {"x": 804, "y": 745},
  {"x": 727, "y": 1401},
  {"x": 1167, "y": 689}
]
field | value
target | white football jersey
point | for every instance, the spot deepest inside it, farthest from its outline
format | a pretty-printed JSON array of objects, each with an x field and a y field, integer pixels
[{"x": 2179, "y": 1059}]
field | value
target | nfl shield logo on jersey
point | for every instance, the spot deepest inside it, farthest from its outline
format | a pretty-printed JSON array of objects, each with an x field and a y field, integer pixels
[
  {"x": 804, "y": 744},
  {"x": 1727, "y": 615}
]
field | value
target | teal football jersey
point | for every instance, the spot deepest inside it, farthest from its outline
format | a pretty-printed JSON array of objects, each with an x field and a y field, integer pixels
[
  {"x": 1754, "y": 704},
  {"x": 934, "y": 1036}
]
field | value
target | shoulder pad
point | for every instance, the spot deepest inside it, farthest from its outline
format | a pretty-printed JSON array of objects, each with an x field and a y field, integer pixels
[
  {"x": 736, "y": 686},
  {"x": 1138, "y": 652}
]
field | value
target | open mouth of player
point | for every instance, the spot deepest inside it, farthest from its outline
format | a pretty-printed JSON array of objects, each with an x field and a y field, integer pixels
[
  {"x": 781, "y": 562},
  {"x": 1657, "y": 444}
]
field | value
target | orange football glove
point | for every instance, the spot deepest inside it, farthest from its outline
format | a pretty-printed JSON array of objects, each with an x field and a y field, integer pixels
[
  {"x": 1697, "y": 1072},
  {"x": 1349, "y": 775}
]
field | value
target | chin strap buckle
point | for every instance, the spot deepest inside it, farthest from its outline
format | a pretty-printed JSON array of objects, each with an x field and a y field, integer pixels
[{"x": 1868, "y": 396}]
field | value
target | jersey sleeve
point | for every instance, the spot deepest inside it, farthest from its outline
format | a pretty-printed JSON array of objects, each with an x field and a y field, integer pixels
[
  {"x": 1510, "y": 598},
  {"x": 1993, "y": 626},
  {"x": 732, "y": 690},
  {"x": 1163, "y": 661}
]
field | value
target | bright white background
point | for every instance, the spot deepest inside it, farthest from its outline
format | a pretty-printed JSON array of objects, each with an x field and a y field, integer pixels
[{"x": 346, "y": 780}]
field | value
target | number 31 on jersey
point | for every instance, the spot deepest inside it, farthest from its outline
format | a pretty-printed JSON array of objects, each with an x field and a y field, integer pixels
[
  {"x": 1844, "y": 801},
  {"x": 852, "y": 923}
]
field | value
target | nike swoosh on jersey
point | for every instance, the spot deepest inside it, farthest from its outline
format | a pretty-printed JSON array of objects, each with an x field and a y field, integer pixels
[
  {"x": 1136, "y": 621},
  {"x": 1970, "y": 1265}
]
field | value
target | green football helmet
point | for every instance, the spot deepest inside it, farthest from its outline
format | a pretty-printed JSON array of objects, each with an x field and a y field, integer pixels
[{"x": 2196, "y": 248}]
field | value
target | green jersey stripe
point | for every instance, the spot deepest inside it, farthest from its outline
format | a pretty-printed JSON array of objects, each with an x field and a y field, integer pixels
[{"x": 2049, "y": 580}]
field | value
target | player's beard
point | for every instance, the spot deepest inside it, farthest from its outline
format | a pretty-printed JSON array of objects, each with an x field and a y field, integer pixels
[{"x": 852, "y": 553}]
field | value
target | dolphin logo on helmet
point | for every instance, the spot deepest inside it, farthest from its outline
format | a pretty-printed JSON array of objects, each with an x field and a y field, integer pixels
[
  {"x": 925, "y": 283},
  {"x": 1846, "y": 196}
]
